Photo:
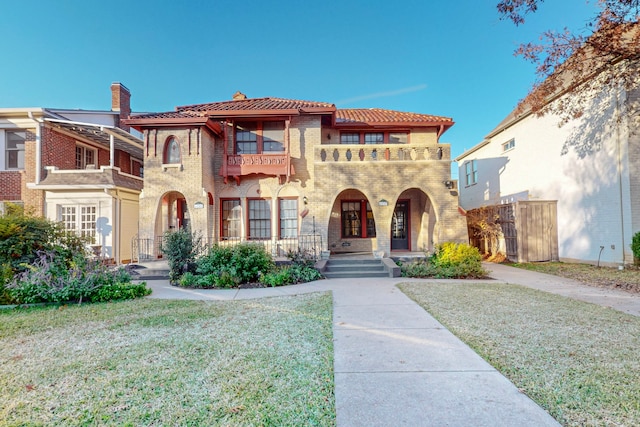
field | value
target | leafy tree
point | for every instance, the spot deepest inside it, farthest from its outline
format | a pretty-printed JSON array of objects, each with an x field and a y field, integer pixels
[
  {"x": 579, "y": 62},
  {"x": 484, "y": 223}
]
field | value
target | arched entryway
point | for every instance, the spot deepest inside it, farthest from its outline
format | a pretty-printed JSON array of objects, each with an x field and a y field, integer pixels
[
  {"x": 413, "y": 222},
  {"x": 173, "y": 212},
  {"x": 352, "y": 226}
]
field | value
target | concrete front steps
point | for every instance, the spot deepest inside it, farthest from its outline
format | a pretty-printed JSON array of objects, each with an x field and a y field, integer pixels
[{"x": 357, "y": 268}]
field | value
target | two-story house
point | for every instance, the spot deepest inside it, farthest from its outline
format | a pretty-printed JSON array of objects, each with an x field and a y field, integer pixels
[
  {"x": 80, "y": 167},
  {"x": 279, "y": 170},
  {"x": 574, "y": 188}
]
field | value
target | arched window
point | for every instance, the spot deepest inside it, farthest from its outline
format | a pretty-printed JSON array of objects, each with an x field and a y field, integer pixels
[{"x": 172, "y": 151}]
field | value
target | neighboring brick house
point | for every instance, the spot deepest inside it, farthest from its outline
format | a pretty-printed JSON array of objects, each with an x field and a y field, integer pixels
[
  {"x": 589, "y": 167},
  {"x": 80, "y": 167},
  {"x": 279, "y": 170}
]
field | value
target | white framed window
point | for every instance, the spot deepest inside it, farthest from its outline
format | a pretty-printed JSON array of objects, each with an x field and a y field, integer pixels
[
  {"x": 14, "y": 149},
  {"x": 471, "y": 172},
  {"x": 288, "y": 213},
  {"x": 79, "y": 218},
  {"x": 509, "y": 145},
  {"x": 85, "y": 157},
  {"x": 259, "y": 219},
  {"x": 231, "y": 217}
]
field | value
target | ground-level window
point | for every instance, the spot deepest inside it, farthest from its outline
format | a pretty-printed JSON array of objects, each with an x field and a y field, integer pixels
[
  {"x": 357, "y": 219},
  {"x": 81, "y": 219},
  {"x": 231, "y": 218},
  {"x": 14, "y": 149},
  {"x": 259, "y": 219},
  {"x": 471, "y": 172},
  {"x": 85, "y": 157},
  {"x": 288, "y": 212}
]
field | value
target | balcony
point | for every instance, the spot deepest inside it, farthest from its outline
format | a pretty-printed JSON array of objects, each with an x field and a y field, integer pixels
[
  {"x": 273, "y": 164},
  {"x": 358, "y": 153}
]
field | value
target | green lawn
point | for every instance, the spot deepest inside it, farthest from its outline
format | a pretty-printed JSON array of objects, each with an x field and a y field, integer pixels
[
  {"x": 265, "y": 362},
  {"x": 579, "y": 361}
]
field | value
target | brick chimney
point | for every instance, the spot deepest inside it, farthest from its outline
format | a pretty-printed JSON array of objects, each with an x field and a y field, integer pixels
[{"x": 121, "y": 103}]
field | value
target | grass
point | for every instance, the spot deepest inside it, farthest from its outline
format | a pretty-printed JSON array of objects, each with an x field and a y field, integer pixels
[
  {"x": 627, "y": 279},
  {"x": 266, "y": 362},
  {"x": 578, "y": 361}
]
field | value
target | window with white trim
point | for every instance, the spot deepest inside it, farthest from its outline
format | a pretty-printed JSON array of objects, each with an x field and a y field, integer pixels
[
  {"x": 14, "y": 149},
  {"x": 288, "y": 213},
  {"x": 79, "y": 218},
  {"x": 85, "y": 157},
  {"x": 231, "y": 217},
  {"x": 471, "y": 172},
  {"x": 259, "y": 218},
  {"x": 509, "y": 144}
]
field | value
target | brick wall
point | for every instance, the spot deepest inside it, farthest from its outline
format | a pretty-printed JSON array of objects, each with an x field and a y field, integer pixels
[{"x": 11, "y": 185}]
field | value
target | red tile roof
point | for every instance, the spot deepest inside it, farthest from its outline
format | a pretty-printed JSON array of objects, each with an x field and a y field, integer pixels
[
  {"x": 256, "y": 104},
  {"x": 256, "y": 107},
  {"x": 354, "y": 116}
]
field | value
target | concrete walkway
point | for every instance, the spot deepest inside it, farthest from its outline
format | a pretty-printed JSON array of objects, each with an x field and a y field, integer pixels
[{"x": 396, "y": 365}]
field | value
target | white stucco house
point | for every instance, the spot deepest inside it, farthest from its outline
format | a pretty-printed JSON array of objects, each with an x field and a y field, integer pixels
[{"x": 588, "y": 168}]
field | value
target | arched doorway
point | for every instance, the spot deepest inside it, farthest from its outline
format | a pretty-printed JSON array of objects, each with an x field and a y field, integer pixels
[
  {"x": 173, "y": 212},
  {"x": 352, "y": 226},
  {"x": 413, "y": 222}
]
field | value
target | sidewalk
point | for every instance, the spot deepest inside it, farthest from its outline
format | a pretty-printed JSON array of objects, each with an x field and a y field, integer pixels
[{"x": 395, "y": 365}]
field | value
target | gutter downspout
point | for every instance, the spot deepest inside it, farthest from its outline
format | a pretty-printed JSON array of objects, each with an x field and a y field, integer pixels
[
  {"x": 620, "y": 192},
  {"x": 38, "y": 147}
]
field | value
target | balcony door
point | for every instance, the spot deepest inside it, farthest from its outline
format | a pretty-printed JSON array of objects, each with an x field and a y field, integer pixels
[{"x": 400, "y": 226}]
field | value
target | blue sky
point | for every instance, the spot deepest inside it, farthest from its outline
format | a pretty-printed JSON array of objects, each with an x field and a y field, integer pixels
[{"x": 444, "y": 57}]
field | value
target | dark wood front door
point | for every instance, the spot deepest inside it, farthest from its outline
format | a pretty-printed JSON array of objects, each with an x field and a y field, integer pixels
[{"x": 400, "y": 226}]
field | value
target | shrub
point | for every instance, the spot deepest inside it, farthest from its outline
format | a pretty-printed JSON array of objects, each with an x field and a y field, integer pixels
[
  {"x": 51, "y": 280},
  {"x": 233, "y": 265},
  {"x": 635, "y": 247},
  {"x": 181, "y": 247},
  {"x": 280, "y": 277},
  {"x": 450, "y": 260},
  {"x": 24, "y": 237}
]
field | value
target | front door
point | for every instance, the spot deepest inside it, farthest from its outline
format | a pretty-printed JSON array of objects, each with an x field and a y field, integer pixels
[{"x": 400, "y": 226}]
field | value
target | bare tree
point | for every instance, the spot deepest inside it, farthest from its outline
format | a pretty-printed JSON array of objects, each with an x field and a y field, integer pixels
[{"x": 579, "y": 62}]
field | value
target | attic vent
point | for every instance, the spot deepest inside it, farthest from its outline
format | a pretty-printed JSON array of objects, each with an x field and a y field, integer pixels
[{"x": 239, "y": 95}]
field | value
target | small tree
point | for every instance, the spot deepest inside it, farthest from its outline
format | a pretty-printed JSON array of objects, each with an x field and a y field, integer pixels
[
  {"x": 181, "y": 248},
  {"x": 484, "y": 223}
]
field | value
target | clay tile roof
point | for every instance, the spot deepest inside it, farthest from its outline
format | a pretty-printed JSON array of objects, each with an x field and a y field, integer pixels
[
  {"x": 166, "y": 115},
  {"x": 255, "y": 104},
  {"x": 347, "y": 116}
]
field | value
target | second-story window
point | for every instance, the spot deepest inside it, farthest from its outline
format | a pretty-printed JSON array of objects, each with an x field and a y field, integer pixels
[
  {"x": 14, "y": 151},
  {"x": 172, "y": 151},
  {"x": 260, "y": 137},
  {"x": 349, "y": 138},
  {"x": 471, "y": 172},
  {"x": 374, "y": 138},
  {"x": 246, "y": 138},
  {"x": 273, "y": 136},
  {"x": 85, "y": 157}
]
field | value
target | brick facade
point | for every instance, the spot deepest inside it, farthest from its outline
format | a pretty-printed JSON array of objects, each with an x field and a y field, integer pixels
[{"x": 418, "y": 178}]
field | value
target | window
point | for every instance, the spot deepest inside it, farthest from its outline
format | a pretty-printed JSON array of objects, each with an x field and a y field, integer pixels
[
  {"x": 349, "y": 138},
  {"x": 260, "y": 137},
  {"x": 288, "y": 210},
  {"x": 273, "y": 137},
  {"x": 231, "y": 216},
  {"x": 14, "y": 154},
  {"x": 398, "y": 138},
  {"x": 259, "y": 219},
  {"x": 246, "y": 138},
  {"x": 172, "y": 151},
  {"x": 137, "y": 168},
  {"x": 509, "y": 145},
  {"x": 352, "y": 224},
  {"x": 85, "y": 157},
  {"x": 83, "y": 224},
  {"x": 374, "y": 138},
  {"x": 471, "y": 172}
]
